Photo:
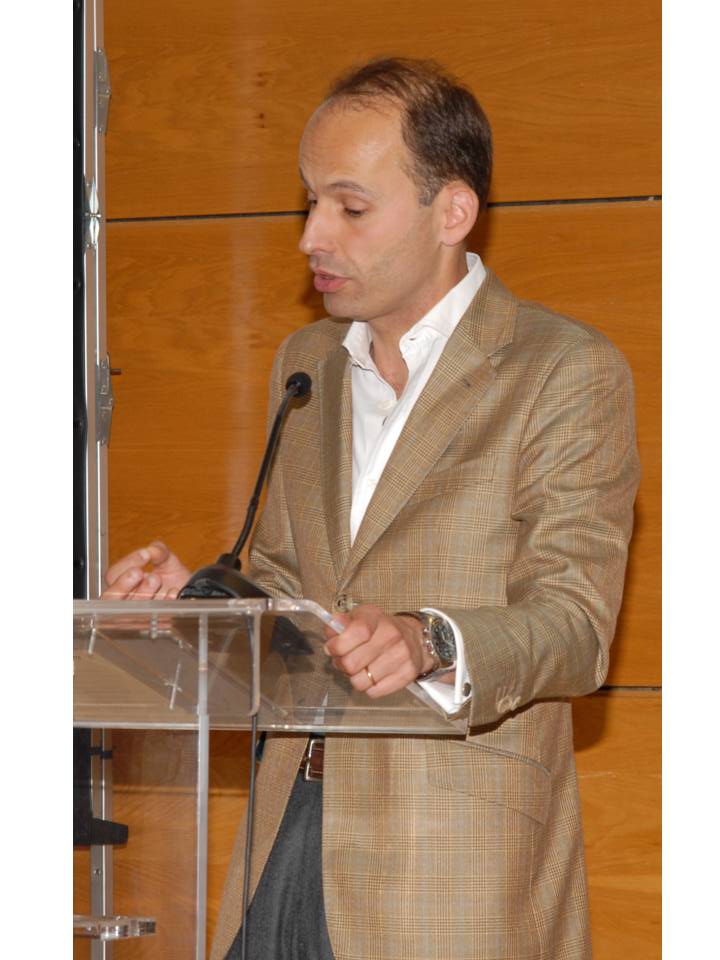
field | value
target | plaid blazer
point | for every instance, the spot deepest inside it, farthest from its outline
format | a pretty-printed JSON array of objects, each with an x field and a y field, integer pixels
[{"x": 507, "y": 502}]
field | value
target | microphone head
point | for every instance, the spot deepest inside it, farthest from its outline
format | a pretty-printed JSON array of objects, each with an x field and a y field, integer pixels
[{"x": 299, "y": 383}]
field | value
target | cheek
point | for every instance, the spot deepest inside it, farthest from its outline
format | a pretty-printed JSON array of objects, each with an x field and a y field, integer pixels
[
  {"x": 389, "y": 249},
  {"x": 405, "y": 264}
]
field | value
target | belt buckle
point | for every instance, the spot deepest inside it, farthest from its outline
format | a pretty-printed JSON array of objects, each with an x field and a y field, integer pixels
[{"x": 307, "y": 772}]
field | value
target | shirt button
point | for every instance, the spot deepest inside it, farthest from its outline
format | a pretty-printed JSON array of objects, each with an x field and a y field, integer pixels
[{"x": 341, "y": 603}]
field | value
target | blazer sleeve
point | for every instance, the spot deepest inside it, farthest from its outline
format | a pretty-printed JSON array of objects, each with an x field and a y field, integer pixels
[{"x": 577, "y": 477}]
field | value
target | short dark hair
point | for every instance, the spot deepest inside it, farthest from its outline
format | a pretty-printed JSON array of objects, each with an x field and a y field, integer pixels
[{"x": 443, "y": 125}]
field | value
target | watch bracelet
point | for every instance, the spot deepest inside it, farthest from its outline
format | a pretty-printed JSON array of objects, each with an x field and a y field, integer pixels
[{"x": 426, "y": 639}]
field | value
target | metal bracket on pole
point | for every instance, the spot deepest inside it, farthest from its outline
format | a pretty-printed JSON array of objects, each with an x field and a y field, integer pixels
[
  {"x": 105, "y": 401},
  {"x": 103, "y": 91}
]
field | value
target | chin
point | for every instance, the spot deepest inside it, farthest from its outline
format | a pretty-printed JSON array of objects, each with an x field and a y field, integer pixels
[{"x": 338, "y": 306}]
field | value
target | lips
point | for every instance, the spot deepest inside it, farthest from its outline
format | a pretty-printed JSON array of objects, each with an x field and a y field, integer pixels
[{"x": 328, "y": 282}]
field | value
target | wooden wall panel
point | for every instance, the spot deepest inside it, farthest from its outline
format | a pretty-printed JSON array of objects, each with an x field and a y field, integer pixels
[
  {"x": 81, "y": 897},
  {"x": 145, "y": 865},
  {"x": 153, "y": 873},
  {"x": 209, "y": 99},
  {"x": 229, "y": 778},
  {"x": 617, "y": 743},
  {"x": 196, "y": 312},
  {"x": 154, "y": 792}
]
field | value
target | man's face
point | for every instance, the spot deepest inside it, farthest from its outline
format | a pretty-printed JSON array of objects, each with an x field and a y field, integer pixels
[{"x": 375, "y": 251}]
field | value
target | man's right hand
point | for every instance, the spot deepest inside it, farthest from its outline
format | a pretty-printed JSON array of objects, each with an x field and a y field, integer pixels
[{"x": 151, "y": 573}]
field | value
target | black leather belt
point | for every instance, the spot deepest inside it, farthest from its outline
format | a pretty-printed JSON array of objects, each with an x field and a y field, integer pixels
[{"x": 311, "y": 765}]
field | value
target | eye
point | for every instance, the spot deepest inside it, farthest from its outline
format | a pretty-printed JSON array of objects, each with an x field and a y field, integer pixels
[
  {"x": 351, "y": 212},
  {"x": 310, "y": 203}
]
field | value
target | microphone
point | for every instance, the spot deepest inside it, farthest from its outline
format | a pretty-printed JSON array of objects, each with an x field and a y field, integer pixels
[{"x": 223, "y": 580}]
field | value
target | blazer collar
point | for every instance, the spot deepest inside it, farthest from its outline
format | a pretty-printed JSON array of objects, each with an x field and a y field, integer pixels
[{"x": 462, "y": 375}]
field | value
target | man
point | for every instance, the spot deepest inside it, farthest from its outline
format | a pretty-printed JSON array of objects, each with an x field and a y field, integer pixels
[{"x": 459, "y": 489}]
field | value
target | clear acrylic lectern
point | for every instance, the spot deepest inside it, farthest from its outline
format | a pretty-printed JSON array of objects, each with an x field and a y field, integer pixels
[{"x": 158, "y": 676}]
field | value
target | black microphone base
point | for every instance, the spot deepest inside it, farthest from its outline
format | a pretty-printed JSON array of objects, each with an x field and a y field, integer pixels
[{"x": 220, "y": 582}]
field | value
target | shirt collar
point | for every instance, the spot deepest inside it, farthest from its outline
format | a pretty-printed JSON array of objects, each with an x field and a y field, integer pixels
[{"x": 440, "y": 320}]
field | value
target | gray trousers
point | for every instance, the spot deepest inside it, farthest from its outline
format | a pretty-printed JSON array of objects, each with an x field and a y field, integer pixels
[{"x": 286, "y": 919}]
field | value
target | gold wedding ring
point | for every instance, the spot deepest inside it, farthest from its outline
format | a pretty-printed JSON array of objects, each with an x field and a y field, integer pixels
[{"x": 371, "y": 678}]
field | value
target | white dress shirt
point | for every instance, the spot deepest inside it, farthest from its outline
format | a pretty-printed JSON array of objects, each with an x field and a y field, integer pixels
[{"x": 379, "y": 417}]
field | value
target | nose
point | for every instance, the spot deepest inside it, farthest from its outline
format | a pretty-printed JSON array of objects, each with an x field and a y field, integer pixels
[{"x": 316, "y": 237}]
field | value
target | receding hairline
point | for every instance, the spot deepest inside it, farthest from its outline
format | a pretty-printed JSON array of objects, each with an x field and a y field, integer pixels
[{"x": 384, "y": 104}]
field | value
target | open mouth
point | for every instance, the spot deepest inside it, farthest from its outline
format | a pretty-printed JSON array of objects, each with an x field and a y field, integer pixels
[{"x": 328, "y": 283}]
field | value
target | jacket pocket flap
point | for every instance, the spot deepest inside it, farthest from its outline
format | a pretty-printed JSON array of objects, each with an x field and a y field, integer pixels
[{"x": 522, "y": 785}]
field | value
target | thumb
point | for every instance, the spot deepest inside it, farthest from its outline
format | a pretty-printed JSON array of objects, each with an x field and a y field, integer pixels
[{"x": 159, "y": 552}]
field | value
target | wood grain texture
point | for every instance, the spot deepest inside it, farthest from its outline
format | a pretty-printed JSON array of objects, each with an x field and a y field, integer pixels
[
  {"x": 229, "y": 780},
  {"x": 197, "y": 308},
  {"x": 196, "y": 311},
  {"x": 618, "y": 754},
  {"x": 154, "y": 784},
  {"x": 153, "y": 774},
  {"x": 209, "y": 100},
  {"x": 81, "y": 897}
]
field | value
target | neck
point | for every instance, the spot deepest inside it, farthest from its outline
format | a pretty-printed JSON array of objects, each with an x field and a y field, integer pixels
[{"x": 387, "y": 331}]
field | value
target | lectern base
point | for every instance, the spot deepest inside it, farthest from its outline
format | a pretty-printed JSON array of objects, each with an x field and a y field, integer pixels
[{"x": 112, "y": 928}]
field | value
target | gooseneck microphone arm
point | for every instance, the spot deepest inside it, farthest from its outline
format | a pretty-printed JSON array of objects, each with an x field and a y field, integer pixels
[
  {"x": 298, "y": 385},
  {"x": 223, "y": 579}
]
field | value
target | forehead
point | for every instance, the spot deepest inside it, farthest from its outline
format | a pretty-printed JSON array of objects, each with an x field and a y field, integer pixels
[{"x": 352, "y": 142}]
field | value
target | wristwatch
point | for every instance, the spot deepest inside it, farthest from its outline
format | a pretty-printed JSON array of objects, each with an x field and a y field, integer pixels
[{"x": 438, "y": 637}]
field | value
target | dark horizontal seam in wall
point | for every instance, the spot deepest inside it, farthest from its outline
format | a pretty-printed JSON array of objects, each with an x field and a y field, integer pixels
[
  {"x": 210, "y": 216},
  {"x": 301, "y": 213},
  {"x": 573, "y": 200},
  {"x": 608, "y": 688}
]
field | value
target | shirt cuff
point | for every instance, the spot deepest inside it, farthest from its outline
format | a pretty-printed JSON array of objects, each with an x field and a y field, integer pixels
[{"x": 451, "y": 697}]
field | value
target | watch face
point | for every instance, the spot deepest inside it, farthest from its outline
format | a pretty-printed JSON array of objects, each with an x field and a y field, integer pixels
[{"x": 443, "y": 640}]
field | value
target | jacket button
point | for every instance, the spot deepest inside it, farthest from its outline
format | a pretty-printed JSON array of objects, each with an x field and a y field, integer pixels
[{"x": 342, "y": 604}]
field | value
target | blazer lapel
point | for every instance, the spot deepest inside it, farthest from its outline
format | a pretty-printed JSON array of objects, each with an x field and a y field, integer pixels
[
  {"x": 462, "y": 375},
  {"x": 335, "y": 388}
]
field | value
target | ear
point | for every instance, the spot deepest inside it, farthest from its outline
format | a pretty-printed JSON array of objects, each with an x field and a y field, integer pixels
[{"x": 460, "y": 207}]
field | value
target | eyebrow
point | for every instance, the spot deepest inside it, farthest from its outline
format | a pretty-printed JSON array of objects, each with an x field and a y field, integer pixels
[
  {"x": 344, "y": 185},
  {"x": 350, "y": 185}
]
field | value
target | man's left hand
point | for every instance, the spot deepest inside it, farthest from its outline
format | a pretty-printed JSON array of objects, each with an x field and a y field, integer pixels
[{"x": 381, "y": 654}]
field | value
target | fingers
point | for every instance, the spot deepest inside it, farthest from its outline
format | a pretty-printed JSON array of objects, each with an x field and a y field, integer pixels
[
  {"x": 129, "y": 579},
  {"x": 135, "y": 584},
  {"x": 124, "y": 581},
  {"x": 392, "y": 670},
  {"x": 151, "y": 587},
  {"x": 362, "y": 624},
  {"x": 130, "y": 563},
  {"x": 159, "y": 553},
  {"x": 391, "y": 682},
  {"x": 380, "y": 654}
]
